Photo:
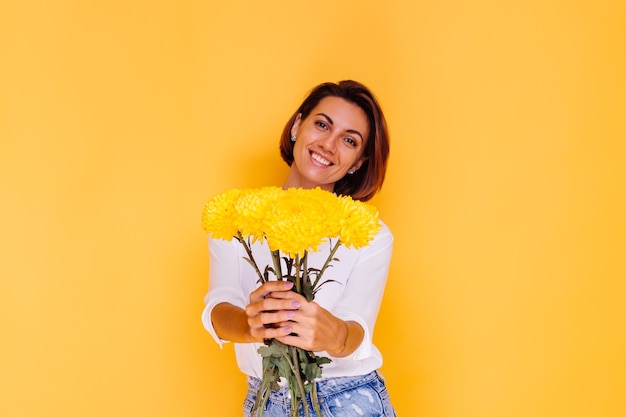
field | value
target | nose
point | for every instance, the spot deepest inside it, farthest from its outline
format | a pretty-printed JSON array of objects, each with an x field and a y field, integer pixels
[{"x": 329, "y": 142}]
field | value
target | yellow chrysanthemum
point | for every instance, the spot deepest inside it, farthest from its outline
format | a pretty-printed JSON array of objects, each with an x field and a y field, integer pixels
[
  {"x": 292, "y": 221},
  {"x": 360, "y": 223},
  {"x": 253, "y": 208},
  {"x": 302, "y": 220},
  {"x": 219, "y": 217}
]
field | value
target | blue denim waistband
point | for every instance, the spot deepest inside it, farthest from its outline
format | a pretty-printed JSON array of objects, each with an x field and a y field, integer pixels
[{"x": 325, "y": 386}]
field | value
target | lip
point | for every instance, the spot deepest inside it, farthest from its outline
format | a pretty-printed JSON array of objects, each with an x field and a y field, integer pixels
[{"x": 320, "y": 160}]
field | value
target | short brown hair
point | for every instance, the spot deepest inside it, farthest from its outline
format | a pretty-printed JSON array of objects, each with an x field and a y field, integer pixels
[{"x": 368, "y": 179}]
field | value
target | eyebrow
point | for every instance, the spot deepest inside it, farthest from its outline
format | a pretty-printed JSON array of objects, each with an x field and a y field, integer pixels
[{"x": 356, "y": 132}]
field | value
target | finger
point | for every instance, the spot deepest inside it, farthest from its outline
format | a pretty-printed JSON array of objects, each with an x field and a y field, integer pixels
[
  {"x": 299, "y": 302},
  {"x": 270, "y": 305},
  {"x": 279, "y": 333},
  {"x": 272, "y": 332},
  {"x": 272, "y": 318},
  {"x": 302, "y": 336},
  {"x": 293, "y": 340},
  {"x": 289, "y": 295},
  {"x": 269, "y": 287}
]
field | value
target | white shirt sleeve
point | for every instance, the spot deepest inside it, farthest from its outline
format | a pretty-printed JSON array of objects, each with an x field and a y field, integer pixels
[
  {"x": 361, "y": 299},
  {"x": 224, "y": 281}
]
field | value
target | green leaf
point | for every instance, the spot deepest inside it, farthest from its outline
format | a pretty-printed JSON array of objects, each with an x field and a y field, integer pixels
[
  {"x": 274, "y": 350},
  {"x": 288, "y": 263},
  {"x": 325, "y": 282},
  {"x": 266, "y": 272},
  {"x": 322, "y": 360}
]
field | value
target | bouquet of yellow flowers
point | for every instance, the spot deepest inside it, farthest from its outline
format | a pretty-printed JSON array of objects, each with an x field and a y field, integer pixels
[{"x": 292, "y": 222}]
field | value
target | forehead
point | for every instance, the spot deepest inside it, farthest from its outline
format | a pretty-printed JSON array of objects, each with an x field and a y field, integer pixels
[{"x": 343, "y": 113}]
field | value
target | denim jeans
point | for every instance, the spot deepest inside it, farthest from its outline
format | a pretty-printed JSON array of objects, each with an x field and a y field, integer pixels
[{"x": 358, "y": 396}]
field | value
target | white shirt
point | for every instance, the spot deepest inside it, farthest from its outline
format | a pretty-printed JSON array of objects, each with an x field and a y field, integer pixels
[{"x": 361, "y": 275}]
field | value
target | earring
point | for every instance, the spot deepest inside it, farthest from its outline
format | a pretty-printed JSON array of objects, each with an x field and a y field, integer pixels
[
  {"x": 351, "y": 171},
  {"x": 293, "y": 138}
]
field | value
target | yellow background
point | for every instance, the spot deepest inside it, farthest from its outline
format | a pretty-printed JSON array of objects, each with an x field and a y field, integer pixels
[{"x": 505, "y": 191}]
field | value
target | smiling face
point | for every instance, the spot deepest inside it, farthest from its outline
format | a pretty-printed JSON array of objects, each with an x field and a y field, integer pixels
[{"x": 329, "y": 142}]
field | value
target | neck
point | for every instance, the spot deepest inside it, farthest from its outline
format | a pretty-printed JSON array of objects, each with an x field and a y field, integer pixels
[{"x": 295, "y": 180}]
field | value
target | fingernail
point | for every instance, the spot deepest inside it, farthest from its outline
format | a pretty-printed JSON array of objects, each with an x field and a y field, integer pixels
[
  {"x": 287, "y": 330},
  {"x": 295, "y": 304},
  {"x": 288, "y": 284},
  {"x": 290, "y": 314}
]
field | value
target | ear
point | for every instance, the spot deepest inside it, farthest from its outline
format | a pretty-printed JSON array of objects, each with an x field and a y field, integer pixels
[
  {"x": 358, "y": 163},
  {"x": 296, "y": 125}
]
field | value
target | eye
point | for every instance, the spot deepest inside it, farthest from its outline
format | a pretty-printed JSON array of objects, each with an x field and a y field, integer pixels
[
  {"x": 350, "y": 141},
  {"x": 321, "y": 124}
]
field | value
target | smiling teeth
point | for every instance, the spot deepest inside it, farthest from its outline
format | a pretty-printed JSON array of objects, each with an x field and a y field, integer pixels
[{"x": 320, "y": 159}]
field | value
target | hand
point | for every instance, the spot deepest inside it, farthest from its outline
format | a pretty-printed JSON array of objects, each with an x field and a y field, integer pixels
[
  {"x": 306, "y": 324},
  {"x": 271, "y": 307}
]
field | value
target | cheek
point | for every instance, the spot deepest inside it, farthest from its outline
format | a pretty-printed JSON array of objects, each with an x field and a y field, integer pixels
[
  {"x": 297, "y": 147},
  {"x": 351, "y": 156},
  {"x": 299, "y": 151}
]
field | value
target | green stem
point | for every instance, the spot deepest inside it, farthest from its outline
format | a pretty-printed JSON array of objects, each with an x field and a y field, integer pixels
[
  {"x": 306, "y": 280},
  {"x": 327, "y": 263},
  {"x": 295, "y": 368},
  {"x": 261, "y": 400},
  {"x": 241, "y": 240},
  {"x": 298, "y": 280},
  {"x": 277, "y": 268},
  {"x": 316, "y": 404}
]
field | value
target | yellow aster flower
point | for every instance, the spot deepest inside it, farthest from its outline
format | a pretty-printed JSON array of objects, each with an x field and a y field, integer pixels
[
  {"x": 253, "y": 207},
  {"x": 360, "y": 223},
  {"x": 301, "y": 220},
  {"x": 219, "y": 217},
  {"x": 293, "y": 220}
]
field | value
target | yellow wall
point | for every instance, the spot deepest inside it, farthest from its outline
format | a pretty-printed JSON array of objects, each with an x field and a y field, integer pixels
[{"x": 506, "y": 193}]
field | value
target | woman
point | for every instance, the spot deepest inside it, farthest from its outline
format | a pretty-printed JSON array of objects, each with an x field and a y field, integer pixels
[{"x": 337, "y": 140}]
